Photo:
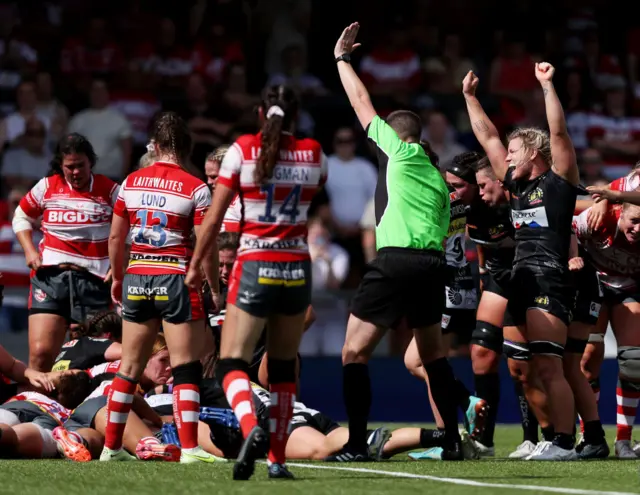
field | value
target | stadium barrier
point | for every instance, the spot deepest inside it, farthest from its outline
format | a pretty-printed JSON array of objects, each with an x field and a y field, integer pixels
[{"x": 401, "y": 398}]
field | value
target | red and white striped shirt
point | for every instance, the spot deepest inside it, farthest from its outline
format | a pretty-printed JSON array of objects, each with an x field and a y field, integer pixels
[
  {"x": 163, "y": 203},
  {"x": 75, "y": 224},
  {"x": 629, "y": 182},
  {"x": 233, "y": 216},
  {"x": 99, "y": 369},
  {"x": 45, "y": 404},
  {"x": 274, "y": 223}
]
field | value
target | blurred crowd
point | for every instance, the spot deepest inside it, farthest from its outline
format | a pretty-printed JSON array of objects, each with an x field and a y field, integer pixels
[{"x": 104, "y": 69}]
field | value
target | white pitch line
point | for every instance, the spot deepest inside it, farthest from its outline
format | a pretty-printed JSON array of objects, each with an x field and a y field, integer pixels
[{"x": 458, "y": 481}]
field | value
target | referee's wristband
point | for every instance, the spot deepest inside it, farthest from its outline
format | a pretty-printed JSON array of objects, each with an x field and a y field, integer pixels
[{"x": 345, "y": 57}]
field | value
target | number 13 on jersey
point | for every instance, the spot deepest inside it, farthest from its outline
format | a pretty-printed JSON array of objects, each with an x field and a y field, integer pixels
[{"x": 288, "y": 208}]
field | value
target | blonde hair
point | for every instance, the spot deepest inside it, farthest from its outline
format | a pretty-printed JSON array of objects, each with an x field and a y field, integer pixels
[
  {"x": 218, "y": 154},
  {"x": 146, "y": 160},
  {"x": 534, "y": 139},
  {"x": 159, "y": 345}
]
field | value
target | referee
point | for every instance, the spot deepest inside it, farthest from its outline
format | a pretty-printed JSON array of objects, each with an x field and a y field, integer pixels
[{"x": 405, "y": 283}]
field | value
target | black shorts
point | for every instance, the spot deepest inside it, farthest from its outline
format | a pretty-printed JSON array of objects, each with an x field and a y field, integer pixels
[
  {"x": 402, "y": 284},
  {"x": 460, "y": 322},
  {"x": 548, "y": 290},
  {"x": 589, "y": 296},
  {"x": 498, "y": 283},
  {"x": 27, "y": 412},
  {"x": 151, "y": 297},
  {"x": 261, "y": 288},
  {"x": 74, "y": 295},
  {"x": 84, "y": 415},
  {"x": 313, "y": 419},
  {"x": 612, "y": 296}
]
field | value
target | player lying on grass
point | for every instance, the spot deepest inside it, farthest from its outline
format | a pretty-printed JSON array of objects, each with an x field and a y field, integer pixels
[
  {"x": 83, "y": 435},
  {"x": 27, "y": 420},
  {"x": 314, "y": 435}
]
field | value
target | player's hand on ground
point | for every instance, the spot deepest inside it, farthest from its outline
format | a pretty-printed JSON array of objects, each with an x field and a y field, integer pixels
[
  {"x": 470, "y": 84},
  {"x": 346, "y": 42},
  {"x": 544, "y": 71},
  {"x": 576, "y": 264}
]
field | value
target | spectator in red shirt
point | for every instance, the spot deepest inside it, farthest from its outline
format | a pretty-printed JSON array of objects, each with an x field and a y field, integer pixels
[
  {"x": 601, "y": 67},
  {"x": 513, "y": 79},
  {"x": 166, "y": 59},
  {"x": 92, "y": 55},
  {"x": 615, "y": 133},
  {"x": 392, "y": 67},
  {"x": 212, "y": 56}
]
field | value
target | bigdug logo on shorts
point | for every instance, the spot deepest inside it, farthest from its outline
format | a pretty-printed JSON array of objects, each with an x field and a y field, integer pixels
[
  {"x": 146, "y": 293},
  {"x": 275, "y": 276}
]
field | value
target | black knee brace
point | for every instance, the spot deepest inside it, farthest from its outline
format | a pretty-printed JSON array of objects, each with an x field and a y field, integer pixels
[
  {"x": 518, "y": 351},
  {"x": 488, "y": 336},
  {"x": 227, "y": 365},
  {"x": 187, "y": 374},
  {"x": 281, "y": 371},
  {"x": 546, "y": 348},
  {"x": 576, "y": 346}
]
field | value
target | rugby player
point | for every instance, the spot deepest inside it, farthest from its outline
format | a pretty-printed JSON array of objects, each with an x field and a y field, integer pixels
[
  {"x": 159, "y": 207},
  {"x": 276, "y": 176},
  {"x": 72, "y": 262},
  {"x": 541, "y": 173}
]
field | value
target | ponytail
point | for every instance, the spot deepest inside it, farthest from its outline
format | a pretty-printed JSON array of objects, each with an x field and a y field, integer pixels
[
  {"x": 270, "y": 144},
  {"x": 280, "y": 108}
]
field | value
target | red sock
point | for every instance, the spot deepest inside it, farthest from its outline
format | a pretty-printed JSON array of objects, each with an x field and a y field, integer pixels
[
  {"x": 237, "y": 388},
  {"x": 283, "y": 395},
  {"x": 118, "y": 407},
  {"x": 186, "y": 412}
]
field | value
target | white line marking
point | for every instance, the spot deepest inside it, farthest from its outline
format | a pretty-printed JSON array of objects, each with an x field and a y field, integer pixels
[{"x": 458, "y": 481}]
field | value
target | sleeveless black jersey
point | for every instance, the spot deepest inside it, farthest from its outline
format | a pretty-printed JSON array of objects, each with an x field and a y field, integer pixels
[
  {"x": 491, "y": 228},
  {"x": 82, "y": 354},
  {"x": 458, "y": 267},
  {"x": 542, "y": 214}
]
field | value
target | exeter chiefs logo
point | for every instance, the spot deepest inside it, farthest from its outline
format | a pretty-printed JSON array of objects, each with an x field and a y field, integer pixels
[
  {"x": 542, "y": 301},
  {"x": 535, "y": 197}
]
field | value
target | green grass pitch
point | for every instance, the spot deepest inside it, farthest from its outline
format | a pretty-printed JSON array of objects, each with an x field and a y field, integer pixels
[{"x": 61, "y": 477}]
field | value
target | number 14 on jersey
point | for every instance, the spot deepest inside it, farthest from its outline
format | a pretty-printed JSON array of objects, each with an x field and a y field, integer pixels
[{"x": 288, "y": 208}]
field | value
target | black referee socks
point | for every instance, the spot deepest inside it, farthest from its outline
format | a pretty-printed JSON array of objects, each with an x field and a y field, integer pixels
[
  {"x": 442, "y": 382},
  {"x": 356, "y": 389}
]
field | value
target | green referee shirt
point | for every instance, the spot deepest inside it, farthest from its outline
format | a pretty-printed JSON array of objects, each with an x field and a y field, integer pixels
[{"x": 411, "y": 199}]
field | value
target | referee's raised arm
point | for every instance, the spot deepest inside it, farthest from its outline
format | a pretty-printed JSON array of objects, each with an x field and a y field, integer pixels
[{"x": 353, "y": 86}]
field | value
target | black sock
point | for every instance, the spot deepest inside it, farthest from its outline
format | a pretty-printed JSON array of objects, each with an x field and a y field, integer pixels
[
  {"x": 548, "y": 433},
  {"x": 593, "y": 432},
  {"x": 463, "y": 396},
  {"x": 564, "y": 441},
  {"x": 357, "y": 400},
  {"x": 442, "y": 382},
  {"x": 488, "y": 388},
  {"x": 529, "y": 420},
  {"x": 431, "y": 438}
]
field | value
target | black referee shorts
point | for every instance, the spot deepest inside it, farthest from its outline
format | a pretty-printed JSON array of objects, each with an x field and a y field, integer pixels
[{"x": 402, "y": 285}]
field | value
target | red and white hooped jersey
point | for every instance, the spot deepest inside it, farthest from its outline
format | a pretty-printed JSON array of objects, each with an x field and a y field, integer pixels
[
  {"x": 110, "y": 367},
  {"x": 163, "y": 203},
  {"x": 274, "y": 214},
  {"x": 102, "y": 390},
  {"x": 629, "y": 182},
  {"x": 46, "y": 404},
  {"x": 233, "y": 216},
  {"x": 616, "y": 260},
  {"x": 75, "y": 224}
]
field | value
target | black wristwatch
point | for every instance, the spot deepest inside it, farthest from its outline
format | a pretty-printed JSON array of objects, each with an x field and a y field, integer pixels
[{"x": 345, "y": 57}]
